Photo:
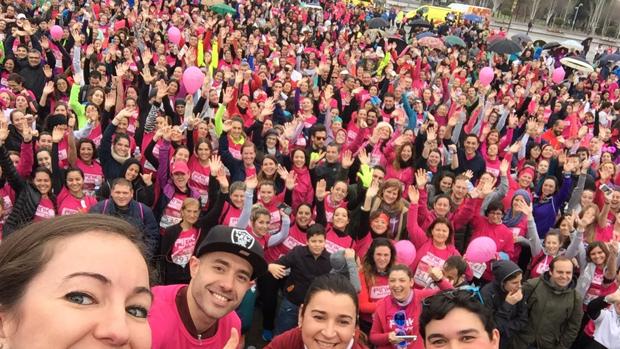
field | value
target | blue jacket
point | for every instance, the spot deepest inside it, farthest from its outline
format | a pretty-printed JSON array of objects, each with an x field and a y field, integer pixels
[
  {"x": 137, "y": 214},
  {"x": 545, "y": 211}
]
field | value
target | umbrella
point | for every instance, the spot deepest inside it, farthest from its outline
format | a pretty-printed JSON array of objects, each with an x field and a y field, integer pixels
[
  {"x": 572, "y": 45},
  {"x": 423, "y": 35},
  {"x": 400, "y": 43},
  {"x": 472, "y": 18},
  {"x": 539, "y": 43},
  {"x": 432, "y": 42},
  {"x": 505, "y": 46},
  {"x": 452, "y": 40},
  {"x": 373, "y": 34},
  {"x": 420, "y": 22},
  {"x": 577, "y": 63},
  {"x": 551, "y": 45},
  {"x": 222, "y": 9},
  {"x": 495, "y": 37},
  {"x": 377, "y": 22},
  {"x": 614, "y": 57},
  {"x": 521, "y": 39},
  {"x": 311, "y": 5}
]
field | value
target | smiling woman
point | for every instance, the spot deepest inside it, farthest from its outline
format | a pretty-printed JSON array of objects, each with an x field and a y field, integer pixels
[
  {"x": 327, "y": 319},
  {"x": 83, "y": 296}
]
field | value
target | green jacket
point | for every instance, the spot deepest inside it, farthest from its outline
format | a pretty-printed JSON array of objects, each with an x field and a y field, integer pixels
[{"x": 554, "y": 315}]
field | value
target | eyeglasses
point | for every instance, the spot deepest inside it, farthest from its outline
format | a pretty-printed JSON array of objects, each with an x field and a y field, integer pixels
[
  {"x": 319, "y": 138},
  {"x": 462, "y": 293}
]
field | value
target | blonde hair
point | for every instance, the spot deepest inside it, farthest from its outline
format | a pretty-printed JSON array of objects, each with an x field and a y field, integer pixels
[{"x": 190, "y": 202}]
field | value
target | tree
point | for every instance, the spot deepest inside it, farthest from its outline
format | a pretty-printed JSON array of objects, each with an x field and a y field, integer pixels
[
  {"x": 550, "y": 12},
  {"x": 535, "y": 4},
  {"x": 496, "y": 5},
  {"x": 598, "y": 7}
]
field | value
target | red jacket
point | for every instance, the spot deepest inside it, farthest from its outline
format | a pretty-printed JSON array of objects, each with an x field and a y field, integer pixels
[{"x": 291, "y": 339}]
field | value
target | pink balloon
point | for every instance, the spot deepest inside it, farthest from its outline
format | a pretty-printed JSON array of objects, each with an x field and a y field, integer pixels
[
  {"x": 558, "y": 75},
  {"x": 174, "y": 35},
  {"x": 193, "y": 78},
  {"x": 481, "y": 250},
  {"x": 405, "y": 252},
  {"x": 56, "y": 32},
  {"x": 486, "y": 76}
]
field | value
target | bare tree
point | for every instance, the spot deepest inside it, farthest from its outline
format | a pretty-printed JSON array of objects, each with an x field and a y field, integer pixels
[
  {"x": 599, "y": 7},
  {"x": 550, "y": 11},
  {"x": 535, "y": 4},
  {"x": 496, "y": 5}
]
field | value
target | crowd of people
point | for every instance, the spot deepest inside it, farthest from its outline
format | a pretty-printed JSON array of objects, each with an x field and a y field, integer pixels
[{"x": 335, "y": 177}]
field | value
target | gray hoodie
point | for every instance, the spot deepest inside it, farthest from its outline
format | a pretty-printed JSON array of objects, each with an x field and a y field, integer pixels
[{"x": 346, "y": 268}]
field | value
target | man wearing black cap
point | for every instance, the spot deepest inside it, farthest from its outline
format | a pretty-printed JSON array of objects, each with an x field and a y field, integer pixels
[{"x": 201, "y": 314}]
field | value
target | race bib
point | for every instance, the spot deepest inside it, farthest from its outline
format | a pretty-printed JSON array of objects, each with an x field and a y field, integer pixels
[{"x": 477, "y": 268}]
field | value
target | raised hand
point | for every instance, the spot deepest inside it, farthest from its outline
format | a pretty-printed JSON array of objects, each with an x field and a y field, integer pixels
[
  {"x": 504, "y": 166},
  {"x": 373, "y": 190},
  {"x": 228, "y": 95},
  {"x": 347, "y": 159},
  {"x": 321, "y": 191},
  {"x": 49, "y": 88},
  {"x": 421, "y": 178},
  {"x": 414, "y": 194},
  {"x": 57, "y": 134},
  {"x": 27, "y": 133},
  {"x": 147, "y": 178},
  {"x": 363, "y": 157},
  {"x": 47, "y": 71},
  {"x": 251, "y": 182},
  {"x": 215, "y": 164},
  {"x": 290, "y": 180}
]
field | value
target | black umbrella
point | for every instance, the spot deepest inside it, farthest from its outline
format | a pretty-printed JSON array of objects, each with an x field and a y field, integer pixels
[
  {"x": 551, "y": 45},
  {"x": 521, "y": 38},
  {"x": 539, "y": 43},
  {"x": 420, "y": 22},
  {"x": 505, "y": 46},
  {"x": 614, "y": 57},
  {"x": 400, "y": 43},
  {"x": 377, "y": 22}
]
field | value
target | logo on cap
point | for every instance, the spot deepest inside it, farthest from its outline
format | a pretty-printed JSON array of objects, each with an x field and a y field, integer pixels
[{"x": 242, "y": 238}]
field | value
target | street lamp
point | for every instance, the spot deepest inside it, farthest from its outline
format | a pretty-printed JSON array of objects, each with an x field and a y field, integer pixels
[{"x": 575, "y": 17}]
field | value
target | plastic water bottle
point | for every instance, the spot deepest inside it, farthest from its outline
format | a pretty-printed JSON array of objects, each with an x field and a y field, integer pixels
[
  {"x": 97, "y": 184},
  {"x": 137, "y": 153}
]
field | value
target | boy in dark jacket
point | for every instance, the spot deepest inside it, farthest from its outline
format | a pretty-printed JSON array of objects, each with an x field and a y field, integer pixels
[{"x": 504, "y": 297}]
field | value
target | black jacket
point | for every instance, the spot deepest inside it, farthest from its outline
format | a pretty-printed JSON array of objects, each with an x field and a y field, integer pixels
[
  {"x": 509, "y": 318},
  {"x": 27, "y": 197},
  {"x": 141, "y": 192}
]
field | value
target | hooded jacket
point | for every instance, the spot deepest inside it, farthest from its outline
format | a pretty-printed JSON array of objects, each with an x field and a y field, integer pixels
[
  {"x": 509, "y": 318},
  {"x": 554, "y": 315}
]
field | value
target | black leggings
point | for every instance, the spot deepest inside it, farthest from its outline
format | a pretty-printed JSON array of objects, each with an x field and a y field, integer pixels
[{"x": 268, "y": 288}]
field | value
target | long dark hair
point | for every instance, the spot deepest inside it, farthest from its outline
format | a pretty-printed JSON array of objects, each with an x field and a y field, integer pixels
[{"x": 370, "y": 267}]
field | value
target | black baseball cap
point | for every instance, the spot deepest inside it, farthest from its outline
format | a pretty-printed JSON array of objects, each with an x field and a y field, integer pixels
[{"x": 240, "y": 242}]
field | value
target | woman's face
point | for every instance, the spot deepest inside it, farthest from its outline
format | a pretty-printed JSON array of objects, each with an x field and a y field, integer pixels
[
  {"x": 182, "y": 154},
  {"x": 341, "y": 218},
  {"x": 121, "y": 147},
  {"x": 406, "y": 153},
  {"x": 261, "y": 225},
  {"x": 547, "y": 152},
  {"x": 248, "y": 154},
  {"x": 328, "y": 321},
  {"x": 42, "y": 182},
  {"x": 75, "y": 182},
  {"x": 525, "y": 180},
  {"x": 535, "y": 152},
  {"x": 442, "y": 207},
  {"x": 61, "y": 85},
  {"x": 440, "y": 233},
  {"x": 390, "y": 195},
  {"x": 269, "y": 167},
  {"x": 266, "y": 193},
  {"x": 548, "y": 188},
  {"x": 21, "y": 103},
  {"x": 379, "y": 225},
  {"x": 133, "y": 171},
  {"x": 543, "y": 167},
  {"x": 99, "y": 302},
  {"x": 97, "y": 97},
  {"x": 299, "y": 159},
  {"x": 339, "y": 192},
  {"x": 86, "y": 152},
  {"x": 433, "y": 159},
  {"x": 587, "y": 197},
  {"x": 44, "y": 159},
  {"x": 190, "y": 213},
  {"x": 493, "y": 138},
  {"x": 400, "y": 285},
  {"x": 303, "y": 216},
  {"x": 203, "y": 152},
  {"x": 552, "y": 244},
  {"x": 597, "y": 256},
  {"x": 445, "y": 184},
  {"x": 492, "y": 150},
  {"x": 237, "y": 197},
  {"x": 382, "y": 257},
  {"x": 5, "y": 98}
]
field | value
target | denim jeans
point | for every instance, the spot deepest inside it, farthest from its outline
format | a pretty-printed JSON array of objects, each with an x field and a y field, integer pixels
[{"x": 287, "y": 316}]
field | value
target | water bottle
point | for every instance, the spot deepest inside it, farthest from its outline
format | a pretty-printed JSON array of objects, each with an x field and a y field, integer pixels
[
  {"x": 97, "y": 183},
  {"x": 136, "y": 153}
]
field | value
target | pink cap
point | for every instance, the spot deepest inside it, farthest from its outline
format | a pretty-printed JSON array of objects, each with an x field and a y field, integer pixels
[{"x": 179, "y": 167}]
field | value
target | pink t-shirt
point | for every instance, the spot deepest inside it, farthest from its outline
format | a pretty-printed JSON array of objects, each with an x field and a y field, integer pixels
[
  {"x": 69, "y": 204},
  {"x": 45, "y": 210},
  {"x": 168, "y": 331},
  {"x": 93, "y": 173},
  {"x": 183, "y": 247}
]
